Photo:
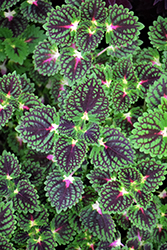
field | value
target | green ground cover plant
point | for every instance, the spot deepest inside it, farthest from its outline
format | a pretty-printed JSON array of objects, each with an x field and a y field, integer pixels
[{"x": 83, "y": 127}]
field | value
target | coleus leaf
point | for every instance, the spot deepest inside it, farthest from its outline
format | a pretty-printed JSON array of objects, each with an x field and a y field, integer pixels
[
  {"x": 93, "y": 11},
  {"x": 159, "y": 234},
  {"x": 123, "y": 220},
  {"x": 87, "y": 102},
  {"x": 149, "y": 134},
  {"x": 24, "y": 197},
  {"x": 46, "y": 58},
  {"x": 124, "y": 50},
  {"x": 62, "y": 231},
  {"x": 9, "y": 166},
  {"x": 14, "y": 21},
  {"x": 5, "y": 244},
  {"x": 141, "y": 197},
  {"x": 7, "y": 222},
  {"x": 38, "y": 218},
  {"x": 163, "y": 246},
  {"x": 76, "y": 3},
  {"x": 90, "y": 196},
  {"x": 69, "y": 153},
  {"x": 4, "y": 191},
  {"x": 67, "y": 127},
  {"x": 16, "y": 49},
  {"x": 113, "y": 150},
  {"x": 35, "y": 11},
  {"x": 74, "y": 64},
  {"x": 156, "y": 91},
  {"x": 91, "y": 133},
  {"x": 44, "y": 242},
  {"x": 5, "y": 4},
  {"x": 153, "y": 174},
  {"x": 149, "y": 55},
  {"x": 10, "y": 85},
  {"x": 26, "y": 84},
  {"x": 122, "y": 27},
  {"x": 20, "y": 237},
  {"x": 158, "y": 33},
  {"x": 6, "y": 110},
  {"x": 98, "y": 177},
  {"x": 126, "y": 120},
  {"x": 98, "y": 223},
  {"x": 88, "y": 36},
  {"x": 143, "y": 218},
  {"x": 39, "y": 128},
  {"x": 133, "y": 243},
  {"x": 146, "y": 74},
  {"x": 114, "y": 197},
  {"x": 62, "y": 23},
  {"x": 32, "y": 36},
  {"x": 142, "y": 234},
  {"x": 63, "y": 191}
]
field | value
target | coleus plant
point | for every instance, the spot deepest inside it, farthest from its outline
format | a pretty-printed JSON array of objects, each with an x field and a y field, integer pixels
[{"x": 83, "y": 128}]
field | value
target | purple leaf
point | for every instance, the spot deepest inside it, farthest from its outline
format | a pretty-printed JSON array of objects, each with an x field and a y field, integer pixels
[{"x": 63, "y": 192}]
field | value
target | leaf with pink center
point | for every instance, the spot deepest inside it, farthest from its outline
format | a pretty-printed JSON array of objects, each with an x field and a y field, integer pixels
[
  {"x": 115, "y": 198},
  {"x": 62, "y": 231},
  {"x": 142, "y": 234},
  {"x": 113, "y": 150},
  {"x": 63, "y": 191},
  {"x": 126, "y": 120},
  {"x": 46, "y": 58},
  {"x": 143, "y": 217},
  {"x": 87, "y": 102},
  {"x": 147, "y": 74},
  {"x": 149, "y": 134},
  {"x": 45, "y": 242},
  {"x": 142, "y": 198},
  {"x": 61, "y": 24},
  {"x": 122, "y": 27},
  {"x": 153, "y": 174},
  {"x": 98, "y": 177},
  {"x": 69, "y": 153},
  {"x": 88, "y": 36},
  {"x": 74, "y": 64},
  {"x": 38, "y": 128},
  {"x": 36, "y": 10},
  {"x": 98, "y": 223},
  {"x": 9, "y": 166},
  {"x": 130, "y": 177}
]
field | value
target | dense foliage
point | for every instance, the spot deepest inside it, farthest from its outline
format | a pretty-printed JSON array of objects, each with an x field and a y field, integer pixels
[{"x": 83, "y": 127}]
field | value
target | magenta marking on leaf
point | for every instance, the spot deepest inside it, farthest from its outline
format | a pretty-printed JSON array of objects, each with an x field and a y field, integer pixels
[
  {"x": 31, "y": 218},
  {"x": 35, "y": 3},
  {"x": 159, "y": 133},
  {"x": 77, "y": 60},
  {"x": 56, "y": 230},
  {"x": 26, "y": 107},
  {"x": 165, "y": 96},
  {"x": 138, "y": 235},
  {"x": 142, "y": 210},
  {"x": 139, "y": 192},
  {"x": 142, "y": 81},
  {"x": 50, "y": 128},
  {"x": 124, "y": 94},
  {"x": 114, "y": 27},
  {"x": 120, "y": 194},
  {"x": 68, "y": 182},
  {"x": 116, "y": 243},
  {"x": 49, "y": 59},
  {"x": 50, "y": 157},
  {"x": 129, "y": 120},
  {"x": 145, "y": 177}
]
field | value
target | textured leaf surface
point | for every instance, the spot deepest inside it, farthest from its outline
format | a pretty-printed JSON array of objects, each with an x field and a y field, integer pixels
[
  {"x": 5, "y": 245},
  {"x": 9, "y": 166},
  {"x": 7, "y": 4},
  {"x": 62, "y": 23},
  {"x": 147, "y": 75},
  {"x": 63, "y": 192},
  {"x": 158, "y": 33},
  {"x": 45, "y": 242},
  {"x": 16, "y": 49},
  {"x": 114, "y": 198},
  {"x": 122, "y": 27},
  {"x": 130, "y": 177},
  {"x": 69, "y": 153},
  {"x": 143, "y": 218},
  {"x": 149, "y": 134},
  {"x": 153, "y": 174},
  {"x": 91, "y": 133},
  {"x": 156, "y": 91},
  {"x": 45, "y": 58},
  {"x": 61, "y": 229},
  {"x": 114, "y": 150},
  {"x": 93, "y": 11},
  {"x": 73, "y": 64},
  {"x": 10, "y": 84},
  {"x": 6, "y": 219},
  {"x": 88, "y": 36},
  {"x": 35, "y": 11},
  {"x": 38, "y": 128},
  {"x": 87, "y": 102},
  {"x": 100, "y": 224},
  {"x": 25, "y": 197},
  {"x": 6, "y": 110},
  {"x": 27, "y": 221}
]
